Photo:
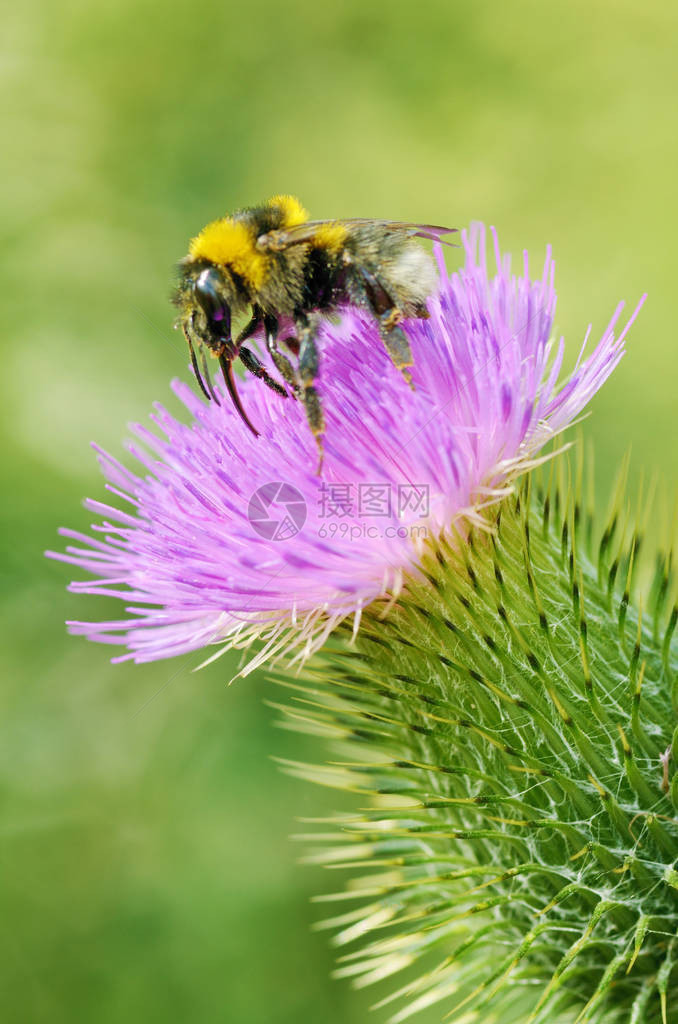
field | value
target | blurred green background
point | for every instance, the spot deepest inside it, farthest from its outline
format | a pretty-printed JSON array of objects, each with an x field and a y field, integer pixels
[{"x": 146, "y": 871}]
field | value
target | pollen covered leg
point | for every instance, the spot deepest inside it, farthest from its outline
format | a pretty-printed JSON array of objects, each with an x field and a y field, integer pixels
[
  {"x": 309, "y": 365},
  {"x": 251, "y": 363},
  {"x": 282, "y": 363},
  {"x": 388, "y": 317},
  {"x": 398, "y": 347}
]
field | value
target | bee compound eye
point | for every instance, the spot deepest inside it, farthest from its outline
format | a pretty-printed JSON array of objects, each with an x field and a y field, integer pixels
[{"x": 206, "y": 292}]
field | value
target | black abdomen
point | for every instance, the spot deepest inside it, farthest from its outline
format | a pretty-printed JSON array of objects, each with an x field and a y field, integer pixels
[{"x": 323, "y": 282}]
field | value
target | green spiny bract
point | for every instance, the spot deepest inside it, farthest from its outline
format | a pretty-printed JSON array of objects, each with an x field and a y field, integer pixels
[{"x": 507, "y": 728}]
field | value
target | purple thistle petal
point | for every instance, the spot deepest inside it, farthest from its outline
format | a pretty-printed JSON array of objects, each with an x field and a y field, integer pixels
[{"x": 201, "y": 566}]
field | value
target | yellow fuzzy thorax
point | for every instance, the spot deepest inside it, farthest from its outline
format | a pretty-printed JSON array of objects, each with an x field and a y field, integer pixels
[
  {"x": 331, "y": 236},
  {"x": 292, "y": 210},
  {"x": 230, "y": 243}
]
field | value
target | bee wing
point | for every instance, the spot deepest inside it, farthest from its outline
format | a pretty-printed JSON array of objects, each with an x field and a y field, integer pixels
[
  {"x": 432, "y": 231},
  {"x": 299, "y": 234}
]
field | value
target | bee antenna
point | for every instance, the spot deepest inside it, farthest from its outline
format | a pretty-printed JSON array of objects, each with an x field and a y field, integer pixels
[
  {"x": 206, "y": 374},
  {"x": 194, "y": 364},
  {"x": 227, "y": 368}
]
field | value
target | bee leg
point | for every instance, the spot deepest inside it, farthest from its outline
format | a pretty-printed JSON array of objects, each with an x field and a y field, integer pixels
[
  {"x": 388, "y": 317},
  {"x": 282, "y": 363},
  {"x": 207, "y": 378},
  {"x": 309, "y": 365},
  {"x": 194, "y": 362},
  {"x": 249, "y": 329},
  {"x": 229, "y": 380},
  {"x": 293, "y": 345},
  {"x": 398, "y": 347},
  {"x": 248, "y": 358},
  {"x": 251, "y": 363}
]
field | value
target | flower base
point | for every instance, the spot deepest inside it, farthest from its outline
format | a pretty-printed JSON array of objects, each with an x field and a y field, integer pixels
[{"x": 507, "y": 729}]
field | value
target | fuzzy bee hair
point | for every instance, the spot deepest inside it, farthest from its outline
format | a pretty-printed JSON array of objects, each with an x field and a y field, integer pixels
[{"x": 274, "y": 262}]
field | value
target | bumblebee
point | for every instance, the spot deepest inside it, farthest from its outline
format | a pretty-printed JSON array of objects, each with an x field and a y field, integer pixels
[{"x": 274, "y": 263}]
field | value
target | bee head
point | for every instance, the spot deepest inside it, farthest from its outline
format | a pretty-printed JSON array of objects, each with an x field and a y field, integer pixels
[
  {"x": 211, "y": 310},
  {"x": 206, "y": 295}
]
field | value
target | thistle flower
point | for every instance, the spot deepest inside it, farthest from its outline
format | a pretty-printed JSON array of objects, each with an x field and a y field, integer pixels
[
  {"x": 231, "y": 537},
  {"x": 505, "y": 711}
]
